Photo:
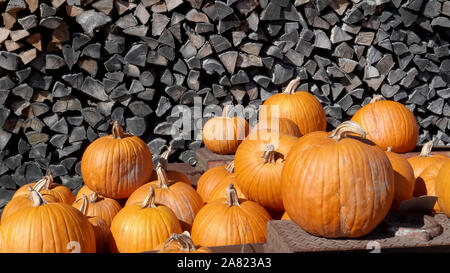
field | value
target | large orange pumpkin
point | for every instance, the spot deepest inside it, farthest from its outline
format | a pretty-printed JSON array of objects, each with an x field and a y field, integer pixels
[
  {"x": 337, "y": 185},
  {"x": 443, "y": 188},
  {"x": 222, "y": 135},
  {"x": 258, "y": 164},
  {"x": 23, "y": 201},
  {"x": 388, "y": 124},
  {"x": 300, "y": 107},
  {"x": 47, "y": 228},
  {"x": 181, "y": 243},
  {"x": 46, "y": 186},
  {"x": 103, "y": 207},
  {"x": 404, "y": 178},
  {"x": 103, "y": 238},
  {"x": 425, "y": 159},
  {"x": 116, "y": 165},
  {"x": 282, "y": 125},
  {"x": 172, "y": 175},
  {"x": 143, "y": 226},
  {"x": 214, "y": 176},
  {"x": 230, "y": 221},
  {"x": 181, "y": 198}
]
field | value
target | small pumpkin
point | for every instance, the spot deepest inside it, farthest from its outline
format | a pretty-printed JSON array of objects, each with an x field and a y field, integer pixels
[
  {"x": 103, "y": 207},
  {"x": 47, "y": 186},
  {"x": 426, "y": 181},
  {"x": 103, "y": 238},
  {"x": 230, "y": 221},
  {"x": 143, "y": 226},
  {"x": 213, "y": 177},
  {"x": 181, "y": 243},
  {"x": 86, "y": 191},
  {"x": 388, "y": 124},
  {"x": 172, "y": 175},
  {"x": 181, "y": 198},
  {"x": 47, "y": 228},
  {"x": 404, "y": 178},
  {"x": 328, "y": 177},
  {"x": 443, "y": 188},
  {"x": 425, "y": 159},
  {"x": 221, "y": 189},
  {"x": 258, "y": 163},
  {"x": 23, "y": 201},
  {"x": 222, "y": 135},
  {"x": 282, "y": 125},
  {"x": 301, "y": 107},
  {"x": 116, "y": 165}
]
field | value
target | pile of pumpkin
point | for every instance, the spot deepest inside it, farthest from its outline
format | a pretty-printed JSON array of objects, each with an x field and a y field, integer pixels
[{"x": 336, "y": 184}]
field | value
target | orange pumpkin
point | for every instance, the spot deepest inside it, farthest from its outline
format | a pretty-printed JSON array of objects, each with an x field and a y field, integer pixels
[
  {"x": 213, "y": 177},
  {"x": 282, "y": 125},
  {"x": 300, "y": 107},
  {"x": 388, "y": 124},
  {"x": 116, "y": 165},
  {"x": 328, "y": 179},
  {"x": 258, "y": 164},
  {"x": 103, "y": 238},
  {"x": 23, "y": 201},
  {"x": 46, "y": 186},
  {"x": 425, "y": 159},
  {"x": 172, "y": 175},
  {"x": 221, "y": 189},
  {"x": 47, "y": 228},
  {"x": 143, "y": 226},
  {"x": 230, "y": 221},
  {"x": 443, "y": 188},
  {"x": 181, "y": 243},
  {"x": 222, "y": 135},
  {"x": 426, "y": 181},
  {"x": 181, "y": 198},
  {"x": 285, "y": 216},
  {"x": 103, "y": 207},
  {"x": 86, "y": 191},
  {"x": 404, "y": 178}
]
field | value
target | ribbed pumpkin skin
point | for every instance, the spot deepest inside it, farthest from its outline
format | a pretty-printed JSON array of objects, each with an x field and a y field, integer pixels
[
  {"x": 20, "y": 202},
  {"x": 84, "y": 190},
  {"x": 443, "y": 188},
  {"x": 218, "y": 224},
  {"x": 336, "y": 188},
  {"x": 219, "y": 191},
  {"x": 173, "y": 175},
  {"x": 182, "y": 199},
  {"x": 47, "y": 229},
  {"x": 301, "y": 107},
  {"x": 137, "y": 229},
  {"x": 404, "y": 178},
  {"x": 426, "y": 181},
  {"x": 62, "y": 193},
  {"x": 285, "y": 126},
  {"x": 211, "y": 178},
  {"x": 222, "y": 135},
  {"x": 104, "y": 208},
  {"x": 389, "y": 124},
  {"x": 259, "y": 181},
  {"x": 103, "y": 237},
  {"x": 420, "y": 163},
  {"x": 116, "y": 167}
]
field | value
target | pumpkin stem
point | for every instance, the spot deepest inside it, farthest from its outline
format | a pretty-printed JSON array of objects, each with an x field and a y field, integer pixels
[
  {"x": 37, "y": 198},
  {"x": 164, "y": 159},
  {"x": 44, "y": 183},
  {"x": 232, "y": 198},
  {"x": 226, "y": 110},
  {"x": 93, "y": 198},
  {"x": 426, "y": 149},
  {"x": 184, "y": 239},
  {"x": 269, "y": 154},
  {"x": 163, "y": 180},
  {"x": 149, "y": 201},
  {"x": 347, "y": 127},
  {"x": 376, "y": 98},
  {"x": 117, "y": 130},
  {"x": 389, "y": 149},
  {"x": 230, "y": 167},
  {"x": 290, "y": 89},
  {"x": 84, "y": 204}
]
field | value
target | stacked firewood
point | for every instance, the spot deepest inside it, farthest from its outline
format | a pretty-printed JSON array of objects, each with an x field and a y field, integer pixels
[{"x": 70, "y": 67}]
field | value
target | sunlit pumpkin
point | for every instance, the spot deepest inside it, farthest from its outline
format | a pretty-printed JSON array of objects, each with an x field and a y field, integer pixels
[
  {"x": 282, "y": 125},
  {"x": 425, "y": 159},
  {"x": 103, "y": 207},
  {"x": 404, "y": 178},
  {"x": 443, "y": 188}
]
